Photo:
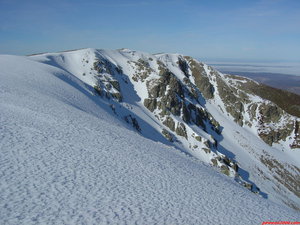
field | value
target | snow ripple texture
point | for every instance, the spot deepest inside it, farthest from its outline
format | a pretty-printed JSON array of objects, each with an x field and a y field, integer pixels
[{"x": 65, "y": 160}]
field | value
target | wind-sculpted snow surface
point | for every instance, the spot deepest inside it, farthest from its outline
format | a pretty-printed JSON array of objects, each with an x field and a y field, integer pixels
[
  {"x": 66, "y": 159},
  {"x": 220, "y": 119}
]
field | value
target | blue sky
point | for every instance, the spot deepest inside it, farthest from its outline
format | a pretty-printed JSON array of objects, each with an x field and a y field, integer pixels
[{"x": 265, "y": 30}]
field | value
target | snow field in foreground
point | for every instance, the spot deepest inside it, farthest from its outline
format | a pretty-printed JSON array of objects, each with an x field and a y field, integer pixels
[{"x": 65, "y": 160}]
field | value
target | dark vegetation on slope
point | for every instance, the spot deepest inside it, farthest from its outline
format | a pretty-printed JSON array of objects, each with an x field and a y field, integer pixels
[
  {"x": 286, "y": 82},
  {"x": 288, "y": 101}
]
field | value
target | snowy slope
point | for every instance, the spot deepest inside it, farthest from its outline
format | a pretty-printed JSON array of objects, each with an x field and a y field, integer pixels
[
  {"x": 67, "y": 159},
  {"x": 178, "y": 101}
]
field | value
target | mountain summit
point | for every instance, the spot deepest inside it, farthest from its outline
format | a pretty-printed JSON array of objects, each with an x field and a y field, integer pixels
[
  {"x": 174, "y": 102},
  {"x": 217, "y": 118}
]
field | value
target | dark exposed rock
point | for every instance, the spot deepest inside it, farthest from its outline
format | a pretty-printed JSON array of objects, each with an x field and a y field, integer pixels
[
  {"x": 226, "y": 164},
  {"x": 207, "y": 150},
  {"x": 208, "y": 144},
  {"x": 297, "y": 126},
  {"x": 169, "y": 122},
  {"x": 252, "y": 111},
  {"x": 248, "y": 186},
  {"x": 187, "y": 81},
  {"x": 201, "y": 79},
  {"x": 243, "y": 96},
  {"x": 271, "y": 136},
  {"x": 181, "y": 130},
  {"x": 108, "y": 86},
  {"x": 115, "y": 84},
  {"x": 150, "y": 103},
  {"x": 162, "y": 68},
  {"x": 185, "y": 113},
  {"x": 226, "y": 160},
  {"x": 143, "y": 70},
  {"x": 194, "y": 94},
  {"x": 198, "y": 138},
  {"x": 98, "y": 90},
  {"x": 172, "y": 99},
  {"x": 287, "y": 101},
  {"x": 117, "y": 96},
  {"x": 175, "y": 86},
  {"x": 156, "y": 90},
  {"x": 199, "y": 114},
  {"x": 235, "y": 167},
  {"x": 133, "y": 121},
  {"x": 214, "y": 162},
  {"x": 200, "y": 117},
  {"x": 270, "y": 113},
  {"x": 164, "y": 110},
  {"x": 225, "y": 170},
  {"x": 172, "y": 103},
  {"x": 167, "y": 135},
  {"x": 104, "y": 66},
  {"x": 296, "y": 142},
  {"x": 119, "y": 69},
  {"x": 183, "y": 66},
  {"x": 215, "y": 124},
  {"x": 234, "y": 104},
  {"x": 105, "y": 83}
]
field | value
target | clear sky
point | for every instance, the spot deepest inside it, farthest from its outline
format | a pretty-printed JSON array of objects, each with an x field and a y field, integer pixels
[{"x": 211, "y": 29}]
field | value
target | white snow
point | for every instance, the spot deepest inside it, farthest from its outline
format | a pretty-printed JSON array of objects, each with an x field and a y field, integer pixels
[
  {"x": 240, "y": 144},
  {"x": 65, "y": 159}
]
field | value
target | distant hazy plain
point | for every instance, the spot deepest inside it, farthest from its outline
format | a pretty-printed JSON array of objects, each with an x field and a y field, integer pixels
[
  {"x": 283, "y": 75},
  {"x": 291, "y": 68}
]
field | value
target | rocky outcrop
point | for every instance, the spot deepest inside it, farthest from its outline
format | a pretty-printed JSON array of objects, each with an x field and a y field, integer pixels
[
  {"x": 179, "y": 106},
  {"x": 133, "y": 121},
  {"x": 272, "y": 114},
  {"x": 183, "y": 66},
  {"x": 102, "y": 65},
  {"x": 233, "y": 102},
  {"x": 226, "y": 165},
  {"x": 169, "y": 122},
  {"x": 167, "y": 135},
  {"x": 143, "y": 70},
  {"x": 181, "y": 130},
  {"x": 150, "y": 103},
  {"x": 106, "y": 85},
  {"x": 169, "y": 89},
  {"x": 115, "y": 84},
  {"x": 201, "y": 79},
  {"x": 296, "y": 142},
  {"x": 273, "y": 123}
]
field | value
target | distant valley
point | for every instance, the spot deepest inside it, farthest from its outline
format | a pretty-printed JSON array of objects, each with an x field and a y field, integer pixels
[{"x": 282, "y": 76}]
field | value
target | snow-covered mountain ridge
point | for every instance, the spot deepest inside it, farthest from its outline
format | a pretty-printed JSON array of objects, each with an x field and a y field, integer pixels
[
  {"x": 78, "y": 132},
  {"x": 176, "y": 100}
]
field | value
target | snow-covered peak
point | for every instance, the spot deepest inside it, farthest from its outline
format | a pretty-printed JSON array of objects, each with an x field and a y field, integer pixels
[
  {"x": 99, "y": 136},
  {"x": 217, "y": 118}
]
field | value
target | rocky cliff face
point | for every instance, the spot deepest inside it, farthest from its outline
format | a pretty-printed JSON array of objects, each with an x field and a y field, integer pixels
[
  {"x": 273, "y": 123},
  {"x": 216, "y": 118}
]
